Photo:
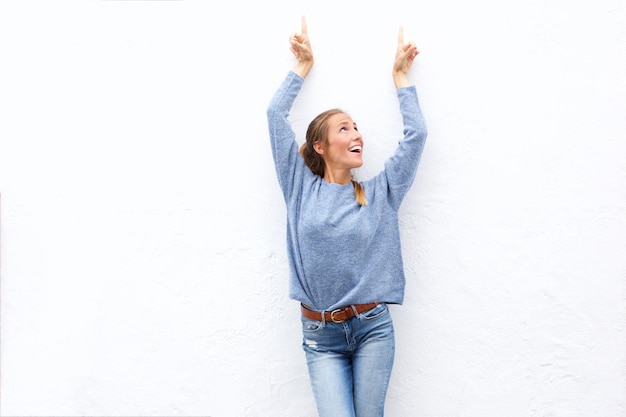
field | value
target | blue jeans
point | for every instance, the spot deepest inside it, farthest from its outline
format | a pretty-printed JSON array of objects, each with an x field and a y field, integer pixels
[{"x": 350, "y": 363}]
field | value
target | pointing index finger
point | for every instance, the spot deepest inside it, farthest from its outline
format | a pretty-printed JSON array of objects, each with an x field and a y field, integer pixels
[
  {"x": 304, "y": 28},
  {"x": 401, "y": 36}
]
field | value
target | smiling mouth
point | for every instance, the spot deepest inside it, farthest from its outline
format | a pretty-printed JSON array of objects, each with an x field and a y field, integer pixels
[{"x": 356, "y": 149}]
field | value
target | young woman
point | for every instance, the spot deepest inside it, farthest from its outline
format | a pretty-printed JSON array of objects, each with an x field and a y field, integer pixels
[{"x": 343, "y": 238}]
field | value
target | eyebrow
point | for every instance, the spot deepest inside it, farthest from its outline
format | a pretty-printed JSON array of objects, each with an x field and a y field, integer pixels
[{"x": 346, "y": 122}]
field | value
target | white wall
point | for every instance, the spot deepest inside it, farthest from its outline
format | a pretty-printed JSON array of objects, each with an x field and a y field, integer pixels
[{"x": 142, "y": 229}]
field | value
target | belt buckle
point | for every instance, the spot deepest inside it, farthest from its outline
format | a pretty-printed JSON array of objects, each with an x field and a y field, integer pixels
[{"x": 332, "y": 316}]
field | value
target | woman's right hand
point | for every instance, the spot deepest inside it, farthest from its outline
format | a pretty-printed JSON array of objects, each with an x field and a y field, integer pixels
[{"x": 301, "y": 49}]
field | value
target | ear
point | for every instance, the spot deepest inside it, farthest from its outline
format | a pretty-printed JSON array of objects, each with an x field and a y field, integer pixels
[{"x": 317, "y": 147}]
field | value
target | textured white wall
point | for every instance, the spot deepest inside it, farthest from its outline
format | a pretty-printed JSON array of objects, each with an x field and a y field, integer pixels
[{"x": 142, "y": 232}]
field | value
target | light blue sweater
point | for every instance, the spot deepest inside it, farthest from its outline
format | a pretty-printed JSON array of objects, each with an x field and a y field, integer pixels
[{"x": 341, "y": 253}]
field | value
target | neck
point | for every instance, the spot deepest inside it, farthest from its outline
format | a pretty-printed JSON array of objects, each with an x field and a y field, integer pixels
[{"x": 338, "y": 177}]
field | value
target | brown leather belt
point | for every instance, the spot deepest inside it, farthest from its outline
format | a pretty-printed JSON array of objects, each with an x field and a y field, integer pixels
[{"x": 338, "y": 315}]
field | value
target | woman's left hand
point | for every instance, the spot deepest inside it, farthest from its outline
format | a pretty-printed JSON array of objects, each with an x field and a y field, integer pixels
[{"x": 405, "y": 55}]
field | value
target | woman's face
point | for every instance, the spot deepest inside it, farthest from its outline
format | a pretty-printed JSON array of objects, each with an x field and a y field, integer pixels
[{"x": 344, "y": 148}]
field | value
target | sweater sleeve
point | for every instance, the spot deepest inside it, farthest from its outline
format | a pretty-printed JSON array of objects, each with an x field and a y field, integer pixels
[
  {"x": 401, "y": 167},
  {"x": 287, "y": 160}
]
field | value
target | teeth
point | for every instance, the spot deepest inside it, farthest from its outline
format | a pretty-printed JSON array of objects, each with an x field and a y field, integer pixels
[{"x": 355, "y": 149}]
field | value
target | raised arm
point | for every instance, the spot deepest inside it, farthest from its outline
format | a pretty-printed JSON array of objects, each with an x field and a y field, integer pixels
[
  {"x": 405, "y": 54},
  {"x": 301, "y": 49},
  {"x": 401, "y": 167},
  {"x": 289, "y": 164}
]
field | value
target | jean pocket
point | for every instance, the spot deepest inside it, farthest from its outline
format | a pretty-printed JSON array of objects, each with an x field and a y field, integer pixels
[
  {"x": 375, "y": 312},
  {"x": 311, "y": 326}
]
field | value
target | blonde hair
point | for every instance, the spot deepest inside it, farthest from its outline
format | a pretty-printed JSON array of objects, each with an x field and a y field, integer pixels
[{"x": 318, "y": 132}]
